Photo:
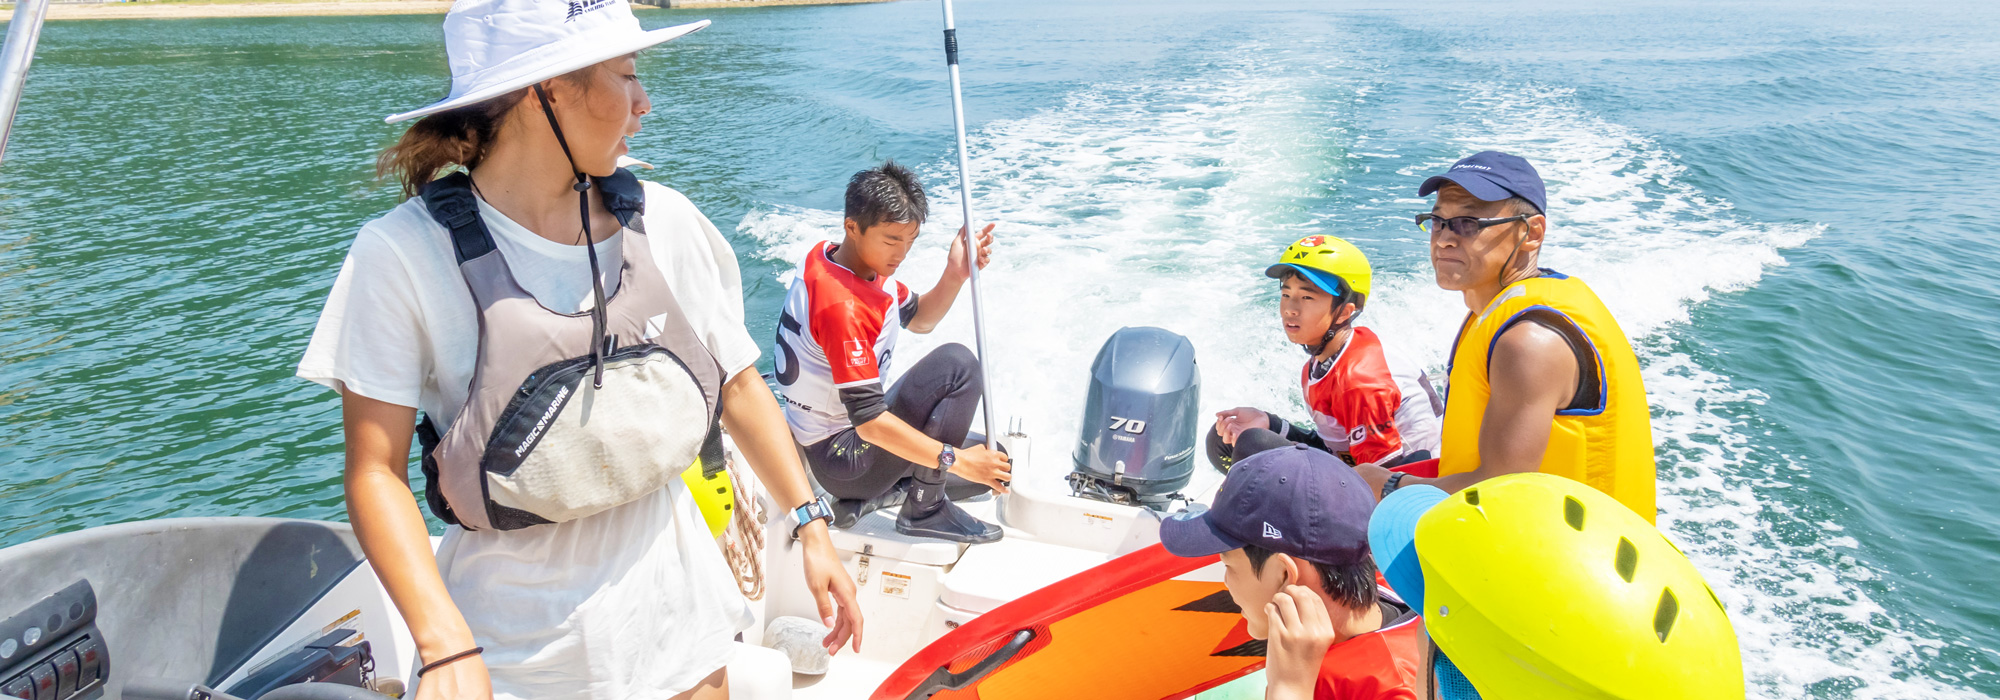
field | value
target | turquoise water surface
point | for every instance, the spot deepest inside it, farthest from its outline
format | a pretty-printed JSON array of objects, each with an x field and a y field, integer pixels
[{"x": 1784, "y": 203}]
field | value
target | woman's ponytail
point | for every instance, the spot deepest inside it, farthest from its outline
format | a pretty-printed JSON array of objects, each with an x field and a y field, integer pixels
[{"x": 458, "y": 137}]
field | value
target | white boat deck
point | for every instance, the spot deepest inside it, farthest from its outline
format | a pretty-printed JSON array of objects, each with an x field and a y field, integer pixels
[{"x": 913, "y": 591}]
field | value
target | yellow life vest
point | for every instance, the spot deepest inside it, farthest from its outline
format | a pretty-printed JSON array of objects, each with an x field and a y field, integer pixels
[{"x": 1609, "y": 444}]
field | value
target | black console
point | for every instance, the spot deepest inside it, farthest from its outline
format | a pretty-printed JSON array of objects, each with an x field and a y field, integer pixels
[
  {"x": 53, "y": 650},
  {"x": 334, "y": 658}
]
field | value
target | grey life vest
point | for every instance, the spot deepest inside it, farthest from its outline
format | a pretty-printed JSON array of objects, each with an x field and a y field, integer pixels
[{"x": 568, "y": 414}]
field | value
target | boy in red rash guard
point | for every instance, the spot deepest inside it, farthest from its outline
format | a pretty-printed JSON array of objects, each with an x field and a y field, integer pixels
[
  {"x": 867, "y": 446},
  {"x": 1292, "y": 527},
  {"x": 1369, "y": 405}
]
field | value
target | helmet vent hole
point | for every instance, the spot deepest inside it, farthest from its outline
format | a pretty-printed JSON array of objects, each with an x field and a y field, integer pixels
[
  {"x": 1664, "y": 615},
  {"x": 1472, "y": 497},
  {"x": 1628, "y": 559},
  {"x": 1573, "y": 514}
]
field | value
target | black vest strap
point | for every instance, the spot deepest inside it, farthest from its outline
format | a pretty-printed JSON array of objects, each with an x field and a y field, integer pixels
[
  {"x": 624, "y": 196},
  {"x": 451, "y": 203}
]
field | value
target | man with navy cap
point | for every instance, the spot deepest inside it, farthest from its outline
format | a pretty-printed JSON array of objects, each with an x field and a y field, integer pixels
[
  {"x": 1542, "y": 377},
  {"x": 1291, "y": 524}
]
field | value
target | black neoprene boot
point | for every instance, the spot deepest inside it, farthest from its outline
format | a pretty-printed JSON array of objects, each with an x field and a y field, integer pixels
[
  {"x": 927, "y": 512},
  {"x": 958, "y": 488},
  {"x": 849, "y": 511}
]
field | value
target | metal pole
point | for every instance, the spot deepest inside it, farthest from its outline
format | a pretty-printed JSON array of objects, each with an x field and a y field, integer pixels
[
  {"x": 22, "y": 33},
  {"x": 971, "y": 230}
]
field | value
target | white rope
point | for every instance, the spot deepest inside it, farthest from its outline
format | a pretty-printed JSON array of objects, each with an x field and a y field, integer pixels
[{"x": 743, "y": 541}]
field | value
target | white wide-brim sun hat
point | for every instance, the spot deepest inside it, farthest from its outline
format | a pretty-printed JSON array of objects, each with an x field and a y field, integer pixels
[{"x": 499, "y": 46}]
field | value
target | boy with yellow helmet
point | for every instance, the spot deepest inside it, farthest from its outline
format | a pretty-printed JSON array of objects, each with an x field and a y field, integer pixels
[
  {"x": 1536, "y": 586},
  {"x": 1368, "y": 405}
]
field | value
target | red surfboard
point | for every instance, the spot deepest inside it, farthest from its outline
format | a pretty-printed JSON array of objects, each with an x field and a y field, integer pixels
[{"x": 1128, "y": 628}]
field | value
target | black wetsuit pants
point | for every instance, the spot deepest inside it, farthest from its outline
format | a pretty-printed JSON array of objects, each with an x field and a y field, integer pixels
[
  {"x": 937, "y": 396},
  {"x": 1255, "y": 440}
]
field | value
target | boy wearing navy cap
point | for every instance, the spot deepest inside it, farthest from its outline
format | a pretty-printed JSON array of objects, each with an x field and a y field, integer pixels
[{"x": 1291, "y": 524}]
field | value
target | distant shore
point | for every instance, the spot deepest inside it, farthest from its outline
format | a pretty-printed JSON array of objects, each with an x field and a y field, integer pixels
[{"x": 191, "y": 9}]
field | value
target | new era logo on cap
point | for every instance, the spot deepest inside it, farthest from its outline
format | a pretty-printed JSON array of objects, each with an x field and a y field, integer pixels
[{"x": 1272, "y": 532}]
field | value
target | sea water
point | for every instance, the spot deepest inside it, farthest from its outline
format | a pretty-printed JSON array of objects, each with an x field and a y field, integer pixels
[{"x": 1784, "y": 204}]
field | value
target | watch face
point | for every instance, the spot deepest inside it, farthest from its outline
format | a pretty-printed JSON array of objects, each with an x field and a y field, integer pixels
[{"x": 948, "y": 457}]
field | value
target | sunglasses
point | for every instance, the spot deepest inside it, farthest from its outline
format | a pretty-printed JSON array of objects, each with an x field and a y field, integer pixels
[{"x": 1464, "y": 226}]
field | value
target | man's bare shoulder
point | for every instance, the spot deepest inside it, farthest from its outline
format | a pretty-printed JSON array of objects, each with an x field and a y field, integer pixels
[{"x": 1533, "y": 354}]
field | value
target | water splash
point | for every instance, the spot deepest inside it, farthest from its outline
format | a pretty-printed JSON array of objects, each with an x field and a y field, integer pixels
[{"x": 1157, "y": 203}]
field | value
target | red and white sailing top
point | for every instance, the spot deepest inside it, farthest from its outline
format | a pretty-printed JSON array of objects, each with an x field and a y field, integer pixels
[
  {"x": 1370, "y": 404},
  {"x": 1381, "y": 665},
  {"x": 830, "y": 366}
]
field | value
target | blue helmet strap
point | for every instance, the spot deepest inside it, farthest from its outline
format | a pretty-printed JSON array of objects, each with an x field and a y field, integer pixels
[{"x": 1446, "y": 681}]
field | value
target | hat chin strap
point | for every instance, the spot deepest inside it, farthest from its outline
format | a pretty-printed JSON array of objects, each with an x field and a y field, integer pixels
[
  {"x": 1505, "y": 266},
  {"x": 1316, "y": 348},
  {"x": 582, "y": 187}
]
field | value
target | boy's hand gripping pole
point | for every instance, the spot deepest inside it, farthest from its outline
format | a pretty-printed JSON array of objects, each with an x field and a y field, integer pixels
[{"x": 971, "y": 231}]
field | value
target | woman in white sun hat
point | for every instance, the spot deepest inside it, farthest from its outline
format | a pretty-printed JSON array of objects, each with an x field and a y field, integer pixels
[{"x": 631, "y": 601}]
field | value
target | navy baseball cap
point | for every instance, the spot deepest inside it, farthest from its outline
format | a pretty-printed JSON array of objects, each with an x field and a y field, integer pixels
[
  {"x": 1493, "y": 176},
  {"x": 1292, "y": 500}
]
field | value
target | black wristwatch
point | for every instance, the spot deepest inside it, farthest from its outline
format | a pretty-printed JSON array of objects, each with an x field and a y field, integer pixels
[
  {"x": 946, "y": 458},
  {"x": 1390, "y": 484},
  {"x": 818, "y": 509}
]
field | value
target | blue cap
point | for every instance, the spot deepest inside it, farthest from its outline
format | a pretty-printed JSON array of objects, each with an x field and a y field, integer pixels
[
  {"x": 1493, "y": 176},
  {"x": 1392, "y": 534},
  {"x": 1295, "y": 500}
]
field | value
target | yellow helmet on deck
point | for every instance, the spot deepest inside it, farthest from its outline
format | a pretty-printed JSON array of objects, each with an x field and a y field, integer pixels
[
  {"x": 1332, "y": 264},
  {"x": 1537, "y": 586}
]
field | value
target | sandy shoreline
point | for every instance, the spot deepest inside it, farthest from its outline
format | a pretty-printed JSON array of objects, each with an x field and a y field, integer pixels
[{"x": 326, "y": 8}]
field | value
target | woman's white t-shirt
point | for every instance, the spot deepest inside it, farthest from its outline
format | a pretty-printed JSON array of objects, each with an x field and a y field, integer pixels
[{"x": 633, "y": 602}]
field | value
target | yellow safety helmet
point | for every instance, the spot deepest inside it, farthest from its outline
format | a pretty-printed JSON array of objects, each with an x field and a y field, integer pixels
[
  {"x": 1537, "y": 586},
  {"x": 1332, "y": 264}
]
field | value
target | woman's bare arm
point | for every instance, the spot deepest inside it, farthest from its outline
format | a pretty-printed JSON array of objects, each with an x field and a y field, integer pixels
[
  {"x": 398, "y": 546},
  {"x": 753, "y": 418}
]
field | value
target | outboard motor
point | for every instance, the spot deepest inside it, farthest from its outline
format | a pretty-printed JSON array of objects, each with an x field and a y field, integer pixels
[{"x": 1139, "y": 421}]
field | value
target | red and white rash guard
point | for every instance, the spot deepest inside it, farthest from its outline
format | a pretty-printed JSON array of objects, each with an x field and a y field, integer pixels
[
  {"x": 830, "y": 366},
  {"x": 1371, "y": 405}
]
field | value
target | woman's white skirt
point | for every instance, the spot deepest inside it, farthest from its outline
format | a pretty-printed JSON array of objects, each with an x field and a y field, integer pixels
[{"x": 634, "y": 602}]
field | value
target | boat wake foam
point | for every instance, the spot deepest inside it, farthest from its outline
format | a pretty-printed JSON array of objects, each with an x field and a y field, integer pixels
[
  {"x": 1653, "y": 247},
  {"x": 1157, "y": 203}
]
